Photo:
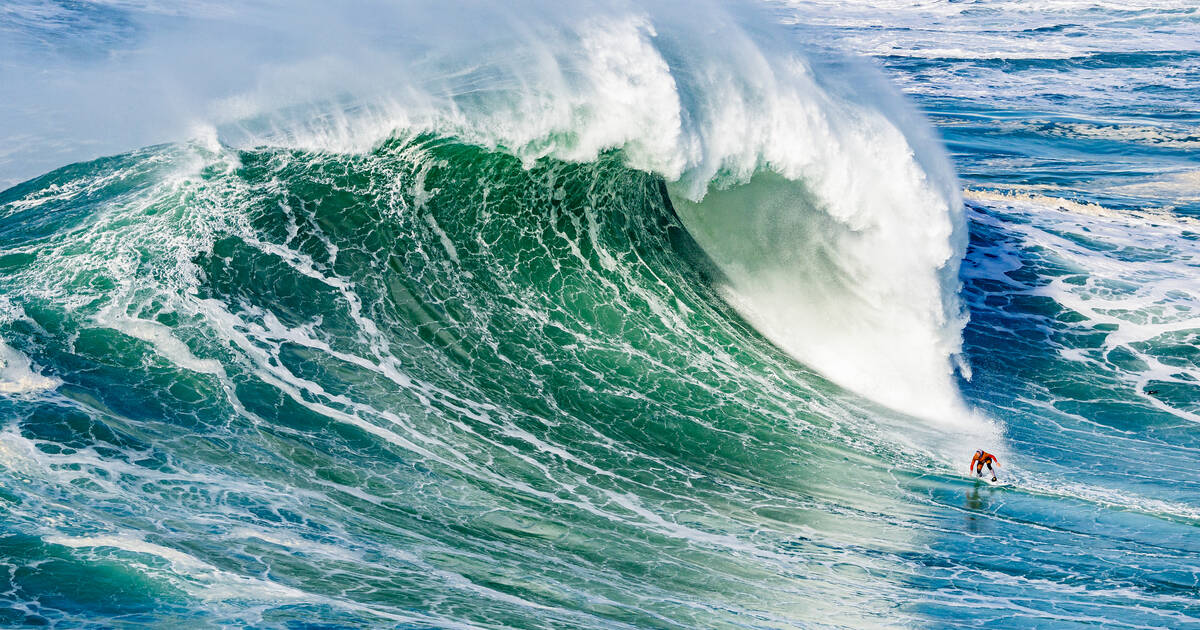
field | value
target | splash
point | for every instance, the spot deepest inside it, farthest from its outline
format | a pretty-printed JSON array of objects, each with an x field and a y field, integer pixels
[{"x": 832, "y": 214}]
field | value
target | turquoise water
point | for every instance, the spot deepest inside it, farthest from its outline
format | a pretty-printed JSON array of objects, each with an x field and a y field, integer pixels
[{"x": 582, "y": 318}]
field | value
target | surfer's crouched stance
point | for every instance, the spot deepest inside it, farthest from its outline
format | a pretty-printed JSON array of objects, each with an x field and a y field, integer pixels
[{"x": 982, "y": 458}]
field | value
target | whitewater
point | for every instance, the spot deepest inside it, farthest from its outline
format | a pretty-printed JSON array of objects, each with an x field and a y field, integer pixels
[{"x": 608, "y": 315}]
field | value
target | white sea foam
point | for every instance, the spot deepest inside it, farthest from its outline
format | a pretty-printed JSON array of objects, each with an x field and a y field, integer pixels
[
  {"x": 17, "y": 375},
  {"x": 1047, "y": 55},
  {"x": 1142, "y": 280},
  {"x": 1178, "y": 187},
  {"x": 833, "y": 213},
  {"x": 160, "y": 338},
  {"x": 207, "y": 582}
]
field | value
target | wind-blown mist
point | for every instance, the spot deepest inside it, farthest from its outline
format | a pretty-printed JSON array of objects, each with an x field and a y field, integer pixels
[
  {"x": 849, "y": 262},
  {"x": 596, "y": 315}
]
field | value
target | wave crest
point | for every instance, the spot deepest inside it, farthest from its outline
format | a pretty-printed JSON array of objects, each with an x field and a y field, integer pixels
[{"x": 821, "y": 195}]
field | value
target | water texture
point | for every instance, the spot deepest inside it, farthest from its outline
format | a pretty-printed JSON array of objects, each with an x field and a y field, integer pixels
[{"x": 673, "y": 315}]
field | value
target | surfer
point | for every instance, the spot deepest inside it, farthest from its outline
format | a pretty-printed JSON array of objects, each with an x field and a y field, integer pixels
[{"x": 981, "y": 458}]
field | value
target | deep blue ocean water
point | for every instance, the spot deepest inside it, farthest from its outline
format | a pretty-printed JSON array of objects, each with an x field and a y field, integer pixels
[{"x": 620, "y": 316}]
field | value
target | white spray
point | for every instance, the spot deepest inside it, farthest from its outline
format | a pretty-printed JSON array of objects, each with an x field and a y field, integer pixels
[{"x": 815, "y": 189}]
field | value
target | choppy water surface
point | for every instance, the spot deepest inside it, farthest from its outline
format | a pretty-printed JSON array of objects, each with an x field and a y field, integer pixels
[{"x": 585, "y": 318}]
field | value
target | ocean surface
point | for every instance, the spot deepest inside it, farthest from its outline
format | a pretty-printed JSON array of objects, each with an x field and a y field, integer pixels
[{"x": 604, "y": 315}]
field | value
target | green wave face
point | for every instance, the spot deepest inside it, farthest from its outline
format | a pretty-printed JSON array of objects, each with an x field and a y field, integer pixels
[{"x": 424, "y": 385}]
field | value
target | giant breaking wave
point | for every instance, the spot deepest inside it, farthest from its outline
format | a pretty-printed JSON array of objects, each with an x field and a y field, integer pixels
[{"x": 833, "y": 217}]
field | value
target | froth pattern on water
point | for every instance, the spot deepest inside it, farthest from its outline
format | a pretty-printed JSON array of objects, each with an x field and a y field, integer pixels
[
  {"x": 459, "y": 389},
  {"x": 707, "y": 114},
  {"x": 1096, "y": 100},
  {"x": 1086, "y": 309},
  {"x": 459, "y": 447},
  {"x": 17, "y": 375},
  {"x": 1136, "y": 277},
  {"x": 268, "y": 356}
]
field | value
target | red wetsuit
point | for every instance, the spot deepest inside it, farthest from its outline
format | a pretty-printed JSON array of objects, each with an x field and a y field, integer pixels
[{"x": 981, "y": 458}]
